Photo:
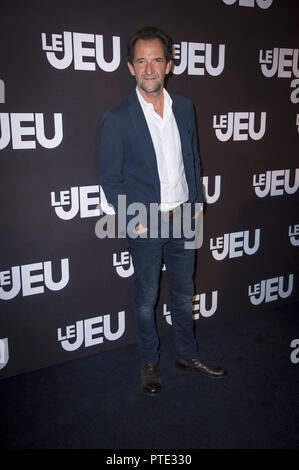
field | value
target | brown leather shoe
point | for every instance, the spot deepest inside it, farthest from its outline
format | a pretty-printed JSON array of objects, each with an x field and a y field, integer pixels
[
  {"x": 150, "y": 379},
  {"x": 202, "y": 367}
]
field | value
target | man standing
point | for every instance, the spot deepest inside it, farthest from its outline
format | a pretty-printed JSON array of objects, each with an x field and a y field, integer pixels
[{"x": 149, "y": 154}]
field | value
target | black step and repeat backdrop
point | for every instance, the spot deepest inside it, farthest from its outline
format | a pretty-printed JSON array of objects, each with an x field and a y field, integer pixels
[{"x": 65, "y": 293}]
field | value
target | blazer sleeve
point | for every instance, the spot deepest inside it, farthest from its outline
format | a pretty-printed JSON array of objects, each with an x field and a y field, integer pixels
[{"x": 111, "y": 159}]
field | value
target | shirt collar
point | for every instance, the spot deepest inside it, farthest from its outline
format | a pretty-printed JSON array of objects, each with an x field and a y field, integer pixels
[{"x": 148, "y": 106}]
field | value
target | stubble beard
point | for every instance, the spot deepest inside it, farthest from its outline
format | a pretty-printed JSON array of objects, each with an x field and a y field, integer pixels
[{"x": 154, "y": 90}]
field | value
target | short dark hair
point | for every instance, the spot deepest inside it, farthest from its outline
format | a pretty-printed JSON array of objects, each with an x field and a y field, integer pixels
[{"x": 147, "y": 33}]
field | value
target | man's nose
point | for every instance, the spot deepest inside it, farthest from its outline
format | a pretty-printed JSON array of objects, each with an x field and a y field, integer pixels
[{"x": 149, "y": 68}]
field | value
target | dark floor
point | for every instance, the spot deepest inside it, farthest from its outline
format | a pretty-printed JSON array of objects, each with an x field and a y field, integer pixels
[{"x": 96, "y": 402}]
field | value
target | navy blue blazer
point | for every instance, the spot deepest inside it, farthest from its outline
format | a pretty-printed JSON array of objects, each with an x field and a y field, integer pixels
[{"x": 128, "y": 162}]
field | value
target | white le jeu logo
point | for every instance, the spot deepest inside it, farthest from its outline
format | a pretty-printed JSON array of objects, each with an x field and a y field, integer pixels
[
  {"x": 239, "y": 126},
  {"x": 282, "y": 61},
  {"x": 124, "y": 266},
  {"x": 91, "y": 331},
  {"x": 294, "y": 234},
  {"x": 275, "y": 183},
  {"x": 234, "y": 245},
  {"x": 198, "y": 57},
  {"x": 212, "y": 198},
  {"x": 75, "y": 199},
  {"x": 2, "y": 91},
  {"x": 4, "y": 352},
  {"x": 297, "y": 120},
  {"x": 12, "y": 128},
  {"x": 23, "y": 277},
  {"x": 264, "y": 4},
  {"x": 199, "y": 304},
  {"x": 269, "y": 290},
  {"x": 72, "y": 45}
]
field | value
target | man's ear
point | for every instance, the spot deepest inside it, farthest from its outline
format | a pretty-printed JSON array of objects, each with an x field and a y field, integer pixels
[
  {"x": 131, "y": 68},
  {"x": 168, "y": 67}
]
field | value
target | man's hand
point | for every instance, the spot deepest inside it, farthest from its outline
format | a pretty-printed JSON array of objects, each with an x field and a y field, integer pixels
[
  {"x": 196, "y": 214},
  {"x": 140, "y": 229}
]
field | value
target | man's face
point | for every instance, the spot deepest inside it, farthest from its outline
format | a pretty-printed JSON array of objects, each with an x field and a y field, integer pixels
[{"x": 149, "y": 65}]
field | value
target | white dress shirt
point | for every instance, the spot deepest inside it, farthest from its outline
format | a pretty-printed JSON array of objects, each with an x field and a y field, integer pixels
[{"x": 167, "y": 144}]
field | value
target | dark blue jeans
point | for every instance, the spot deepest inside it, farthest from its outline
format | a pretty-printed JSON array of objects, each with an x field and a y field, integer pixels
[{"x": 147, "y": 256}]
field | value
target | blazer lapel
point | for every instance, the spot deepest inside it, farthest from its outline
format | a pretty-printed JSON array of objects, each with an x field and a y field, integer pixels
[
  {"x": 186, "y": 145},
  {"x": 178, "y": 114},
  {"x": 143, "y": 134}
]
